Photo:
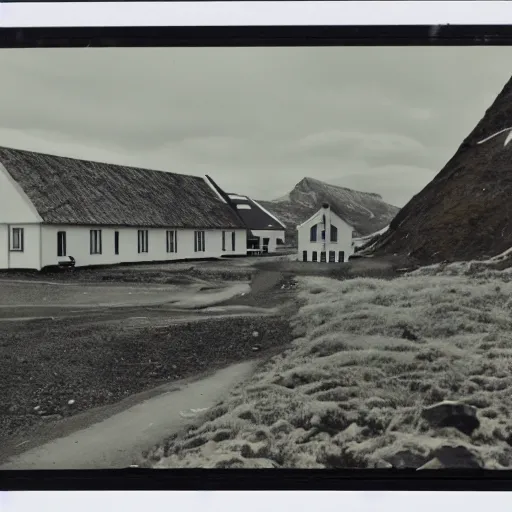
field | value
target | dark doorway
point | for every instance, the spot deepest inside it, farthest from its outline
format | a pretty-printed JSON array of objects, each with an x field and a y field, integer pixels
[
  {"x": 341, "y": 256},
  {"x": 116, "y": 242},
  {"x": 265, "y": 244},
  {"x": 332, "y": 256},
  {"x": 322, "y": 257},
  {"x": 61, "y": 244},
  {"x": 304, "y": 255},
  {"x": 314, "y": 256}
]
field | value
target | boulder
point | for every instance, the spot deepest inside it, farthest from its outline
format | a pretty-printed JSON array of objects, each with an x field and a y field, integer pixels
[
  {"x": 382, "y": 464},
  {"x": 452, "y": 414},
  {"x": 409, "y": 335},
  {"x": 406, "y": 459},
  {"x": 448, "y": 457}
]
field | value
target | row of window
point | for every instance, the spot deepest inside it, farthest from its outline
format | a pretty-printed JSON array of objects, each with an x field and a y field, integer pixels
[
  {"x": 171, "y": 241},
  {"x": 323, "y": 256},
  {"x": 96, "y": 246}
]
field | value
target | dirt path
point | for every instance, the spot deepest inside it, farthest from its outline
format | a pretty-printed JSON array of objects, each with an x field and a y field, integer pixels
[
  {"x": 18, "y": 295},
  {"x": 106, "y": 356},
  {"x": 116, "y": 441}
]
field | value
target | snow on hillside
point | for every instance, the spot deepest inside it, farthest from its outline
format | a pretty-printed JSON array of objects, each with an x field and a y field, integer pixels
[{"x": 358, "y": 242}]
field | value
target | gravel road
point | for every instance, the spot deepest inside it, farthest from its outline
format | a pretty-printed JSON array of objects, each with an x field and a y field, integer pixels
[{"x": 54, "y": 369}]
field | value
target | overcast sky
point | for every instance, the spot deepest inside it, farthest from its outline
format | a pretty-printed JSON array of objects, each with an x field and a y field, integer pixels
[{"x": 257, "y": 120}]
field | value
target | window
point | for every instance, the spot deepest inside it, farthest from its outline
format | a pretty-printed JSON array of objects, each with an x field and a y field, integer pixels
[
  {"x": 199, "y": 245},
  {"x": 243, "y": 207},
  {"x": 304, "y": 255},
  {"x": 341, "y": 256},
  {"x": 323, "y": 257},
  {"x": 323, "y": 234},
  {"x": 17, "y": 239},
  {"x": 312, "y": 234},
  {"x": 116, "y": 242},
  {"x": 332, "y": 256},
  {"x": 354, "y": 234},
  {"x": 314, "y": 256},
  {"x": 142, "y": 241},
  {"x": 61, "y": 244},
  {"x": 233, "y": 238},
  {"x": 95, "y": 241},
  {"x": 334, "y": 233},
  {"x": 172, "y": 238}
]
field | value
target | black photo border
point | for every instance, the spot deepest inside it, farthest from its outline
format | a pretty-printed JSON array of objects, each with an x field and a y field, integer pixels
[{"x": 237, "y": 479}]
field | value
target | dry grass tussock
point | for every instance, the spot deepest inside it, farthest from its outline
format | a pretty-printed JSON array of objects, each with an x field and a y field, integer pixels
[{"x": 350, "y": 390}]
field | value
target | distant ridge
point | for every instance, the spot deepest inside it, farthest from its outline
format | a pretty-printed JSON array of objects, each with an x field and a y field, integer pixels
[{"x": 365, "y": 211}]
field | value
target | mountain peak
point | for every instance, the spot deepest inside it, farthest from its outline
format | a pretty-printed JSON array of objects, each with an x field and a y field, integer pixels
[
  {"x": 307, "y": 181},
  {"x": 316, "y": 184},
  {"x": 365, "y": 211}
]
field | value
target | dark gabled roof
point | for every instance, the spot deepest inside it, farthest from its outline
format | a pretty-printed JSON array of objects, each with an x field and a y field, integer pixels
[
  {"x": 70, "y": 191},
  {"x": 256, "y": 217}
]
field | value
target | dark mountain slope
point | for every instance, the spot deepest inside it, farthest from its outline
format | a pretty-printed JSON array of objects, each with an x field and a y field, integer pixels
[
  {"x": 365, "y": 211},
  {"x": 465, "y": 212}
]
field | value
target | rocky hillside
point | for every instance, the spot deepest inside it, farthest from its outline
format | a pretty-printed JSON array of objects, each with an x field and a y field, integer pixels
[
  {"x": 383, "y": 373},
  {"x": 465, "y": 212},
  {"x": 367, "y": 212}
]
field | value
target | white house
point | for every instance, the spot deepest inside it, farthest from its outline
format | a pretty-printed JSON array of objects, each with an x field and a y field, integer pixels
[
  {"x": 266, "y": 232},
  {"x": 325, "y": 237},
  {"x": 100, "y": 214}
]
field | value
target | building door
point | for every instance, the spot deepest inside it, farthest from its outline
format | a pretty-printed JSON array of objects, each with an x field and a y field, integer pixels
[
  {"x": 332, "y": 256},
  {"x": 322, "y": 256},
  {"x": 61, "y": 244},
  {"x": 314, "y": 256},
  {"x": 116, "y": 242},
  {"x": 341, "y": 256},
  {"x": 265, "y": 244},
  {"x": 304, "y": 255}
]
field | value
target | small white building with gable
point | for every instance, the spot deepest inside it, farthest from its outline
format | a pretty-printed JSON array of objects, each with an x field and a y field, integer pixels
[
  {"x": 325, "y": 237},
  {"x": 265, "y": 231}
]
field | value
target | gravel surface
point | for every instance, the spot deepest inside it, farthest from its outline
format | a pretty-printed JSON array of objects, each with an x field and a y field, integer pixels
[
  {"x": 382, "y": 267},
  {"x": 51, "y": 369},
  {"x": 45, "y": 365},
  {"x": 165, "y": 273}
]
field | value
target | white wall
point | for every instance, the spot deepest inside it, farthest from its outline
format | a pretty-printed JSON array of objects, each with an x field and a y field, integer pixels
[
  {"x": 4, "y": 246},
  {"x": 16, "y": 210},
  {"x": 272, "y": 235},
  {"x": 15, "y": 206},
  {"x": 30, "y": 257},
  {"x": 77, "y": 245},
  {"x": 344, "y": 242}
]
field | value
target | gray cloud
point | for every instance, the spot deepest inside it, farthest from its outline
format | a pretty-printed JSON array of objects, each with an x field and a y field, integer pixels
[{"x": 257, "y": 119}]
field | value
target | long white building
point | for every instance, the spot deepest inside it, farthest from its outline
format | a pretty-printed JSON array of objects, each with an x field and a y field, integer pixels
[{"x": 52, "y": 207}]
